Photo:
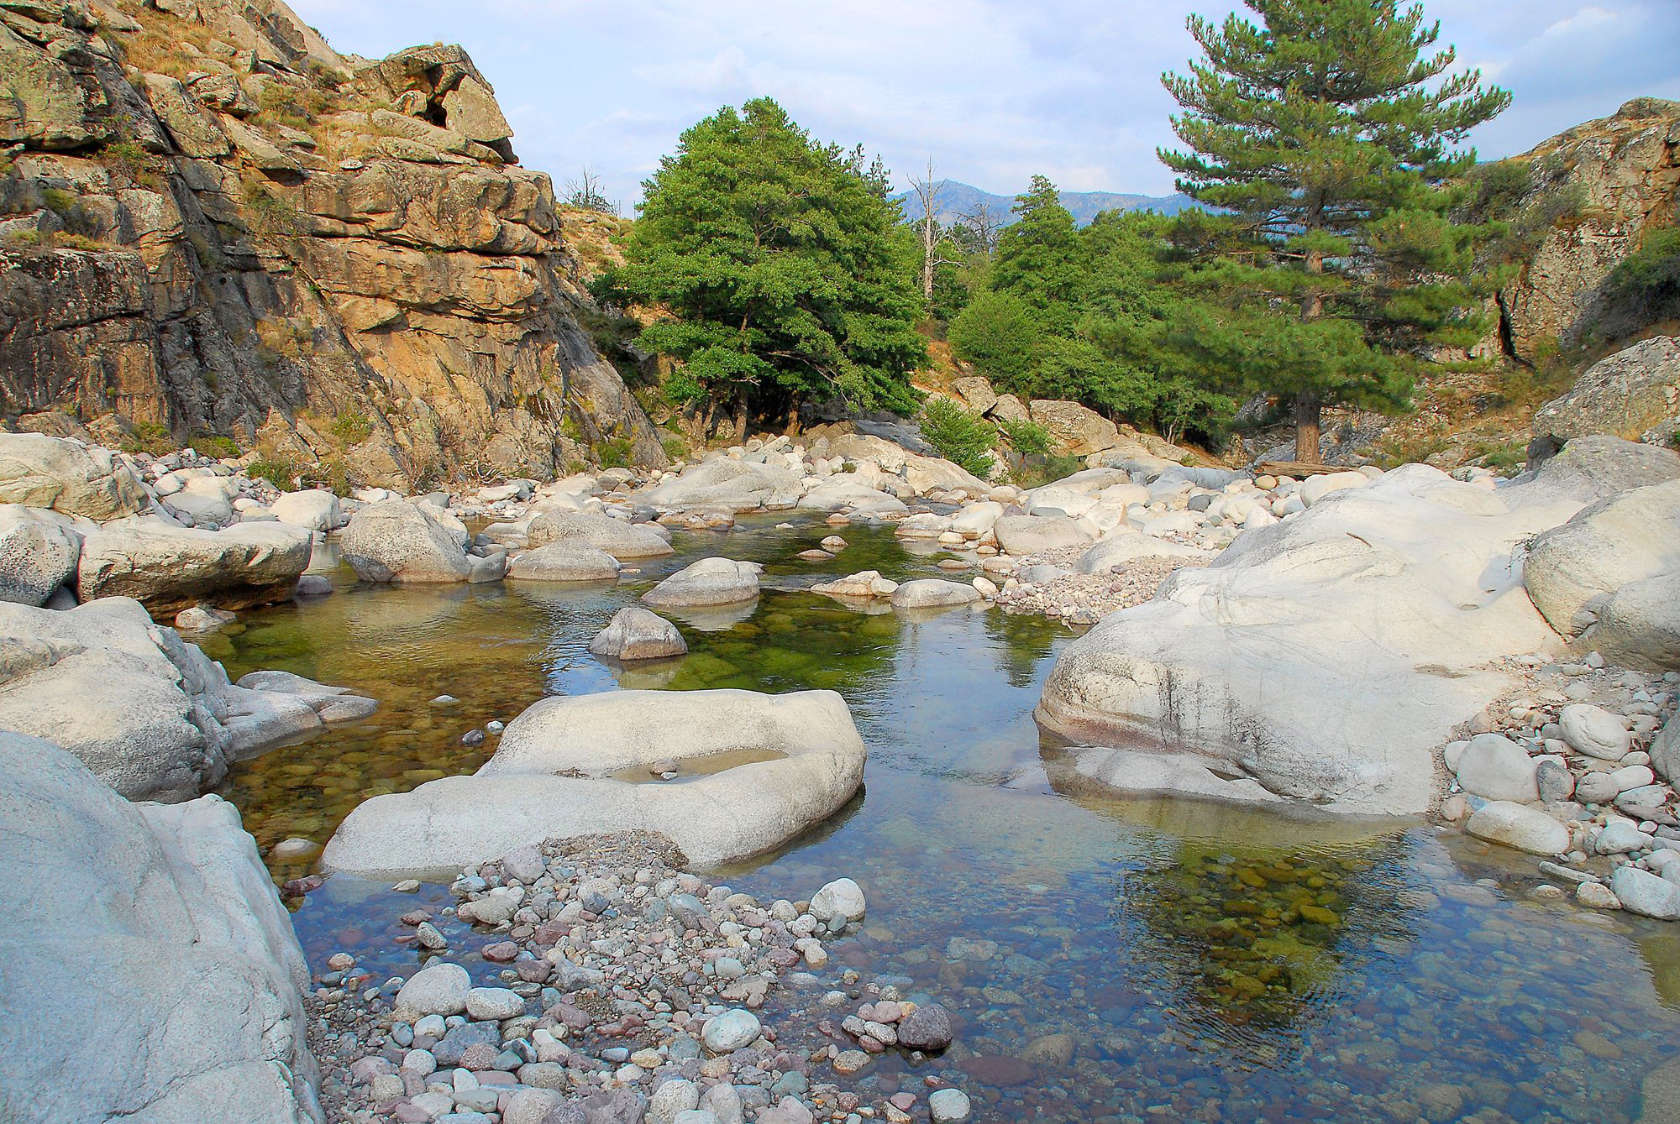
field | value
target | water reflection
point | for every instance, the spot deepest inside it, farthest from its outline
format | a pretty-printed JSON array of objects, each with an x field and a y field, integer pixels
[{"x": 1106, "y": 960}]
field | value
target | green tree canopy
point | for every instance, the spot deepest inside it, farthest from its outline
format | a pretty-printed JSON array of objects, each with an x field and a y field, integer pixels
[
  {"x": 1038, "y": 257},
  {"x": 1000, "y": 336},
  {"x": 782, "y": 267},
  {"x": 1326, "y": 131}
]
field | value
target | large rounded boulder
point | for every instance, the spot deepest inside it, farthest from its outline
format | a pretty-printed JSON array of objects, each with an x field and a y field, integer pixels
[
  {"x": 710, "y": 581},
  {"x": 158, "y": 925},
  {"x": 1325, "y": 657},
  {"x": 564, "y": 561},
  {"x": 38, "y": 553},
  {"x": 617, "y": 537},
  {"x": 168, "y": 568},
  {"x": 636, "y": 634},
  {"x": 559, "y": 772},
  {"x": 68, "y": 477},
  {"x": 1572, "y": 570},
  {"x": 400, "y": 541}
]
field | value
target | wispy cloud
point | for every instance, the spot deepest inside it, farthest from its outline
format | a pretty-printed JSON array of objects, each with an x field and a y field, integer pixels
[{"x": 993, "y": 91}]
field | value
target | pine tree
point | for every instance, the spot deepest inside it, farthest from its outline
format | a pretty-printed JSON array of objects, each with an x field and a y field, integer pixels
[
  {"x": 1326, "y": 132},
  {"x": 1038, "y": 257}
]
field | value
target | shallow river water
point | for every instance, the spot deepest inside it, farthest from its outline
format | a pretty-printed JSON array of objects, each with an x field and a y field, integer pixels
[{"x": 1155, "y": 961}]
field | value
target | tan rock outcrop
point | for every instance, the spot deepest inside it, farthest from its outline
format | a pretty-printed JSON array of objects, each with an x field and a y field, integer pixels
[
  {"x": 219, "y": 225},
  {"x": 1610, "y": 178}
]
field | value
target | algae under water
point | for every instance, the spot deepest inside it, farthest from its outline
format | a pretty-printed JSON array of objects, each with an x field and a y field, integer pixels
[{"x": 1105, "y": 960}]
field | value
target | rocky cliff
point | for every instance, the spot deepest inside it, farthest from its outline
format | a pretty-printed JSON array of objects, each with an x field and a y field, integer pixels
[
  {"x": 1591, "y": 193},
  {"x": 213, "y": 224}
]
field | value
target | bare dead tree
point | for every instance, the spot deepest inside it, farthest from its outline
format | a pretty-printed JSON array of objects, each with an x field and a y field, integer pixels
[
  {"x": 982, "y": 225},
  {"x": 927, "y": 193},
  {"x": 585, "y": 192}
]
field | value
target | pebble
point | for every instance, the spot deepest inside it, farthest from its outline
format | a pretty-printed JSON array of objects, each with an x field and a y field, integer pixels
[
  {"x": 948, "y": 1106},
  {"x": 729, "y": 1031}
]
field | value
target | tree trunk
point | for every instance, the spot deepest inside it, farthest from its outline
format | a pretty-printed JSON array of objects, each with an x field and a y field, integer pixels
[
  {"x": 1308, "y": 405},
  {"x": 927, "y": 258},
  {"x": 738, "y": 420},
  {"x": 1307, "y": 408}
]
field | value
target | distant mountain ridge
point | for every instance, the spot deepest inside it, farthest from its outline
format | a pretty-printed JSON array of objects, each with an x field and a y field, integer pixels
[{"x": 957, "y": 199}]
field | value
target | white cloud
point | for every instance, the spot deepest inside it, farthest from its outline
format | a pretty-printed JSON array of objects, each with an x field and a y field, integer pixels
[{"x": 995, "y": 91}]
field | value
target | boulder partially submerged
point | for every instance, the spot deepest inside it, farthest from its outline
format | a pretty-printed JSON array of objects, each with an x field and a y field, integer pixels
[
  {"x": 865, "y": 585},
  {"x": 168, "y": 568},
  {"x": 151, "y": 716},
  {"x": 618, "y": 537},
  {"x": 636, "y": 634},
  {"x": 404, "y": 541},
  {"x": 710, "y": 581},
  {"x": 159, "y": 926},
  {"x": 553, "y": 777},
  {"x": 563, "y": 561},
  {"x": 933, "y": 593},
  {"x": 1325, "y": 657}
]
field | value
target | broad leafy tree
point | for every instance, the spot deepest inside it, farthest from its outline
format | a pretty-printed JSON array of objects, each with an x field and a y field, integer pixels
[
  {"x": 777, "y": 272},
  {"x": 1326, "y": 131}
]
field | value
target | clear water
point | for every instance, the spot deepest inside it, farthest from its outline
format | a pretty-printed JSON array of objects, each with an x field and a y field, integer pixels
[{"x": 1207, "y": 963}]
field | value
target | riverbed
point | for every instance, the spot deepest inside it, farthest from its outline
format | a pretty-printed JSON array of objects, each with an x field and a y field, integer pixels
[{"x": 1106, "y": 960}]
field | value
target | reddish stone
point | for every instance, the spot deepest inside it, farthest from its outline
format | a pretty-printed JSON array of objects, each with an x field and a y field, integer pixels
[
  {"x": 502, "y": 952},
  {"x": 996, "y": 1069},
  {"x": 478, "y": 1056},
  {"x": 415, "y": 916}
]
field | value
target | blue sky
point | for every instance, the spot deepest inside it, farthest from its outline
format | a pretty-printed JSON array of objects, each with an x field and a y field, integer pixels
[{"x": 993, "y": 91}]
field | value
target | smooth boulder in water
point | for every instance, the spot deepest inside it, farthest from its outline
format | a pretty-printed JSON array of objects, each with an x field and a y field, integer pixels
[
  {"x": 636, "y": 634},
  {"x": 168, "y": 568},
  {"x": 1517, "y": 825},
  {"x": 555, "y": 770},
  {"x": 401, "y": 541},
  {"x": 563, "y": 562},
  {"x": 710, "y": 581},
  {"x": 1326, "y": 657},
  {"x": 618, "y": 537},
  {"x": 932, "y": 593},
  {"x": 865, "y": 584}
]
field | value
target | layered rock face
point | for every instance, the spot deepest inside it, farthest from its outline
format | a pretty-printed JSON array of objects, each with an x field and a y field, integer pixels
[
  {"x": 1612, "y": 178},
  {"x": 212, "y": 222}
]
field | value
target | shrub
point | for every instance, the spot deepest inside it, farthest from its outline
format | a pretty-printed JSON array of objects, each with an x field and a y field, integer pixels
[
  {"x": 272, "y": 215},
  {"x": 614, "y": 452},
  {"x": 960, "y": 437},
  {"x": 277, "y": 470},
  {"x": 675, "y": 446},
  {"x": 351, "y": 426},
  {"x": 1644, "y": 288},
  {"x": 1027, "y": 438},
  {"x": 214, "y": 445},
  {"x": 1037, "y": 471},
  {"x": 148, "y": 437},
  {"x": 331, "y": 473},
  {"x": 996, "y": 332},
  {"x": 133, "y": 163}
]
